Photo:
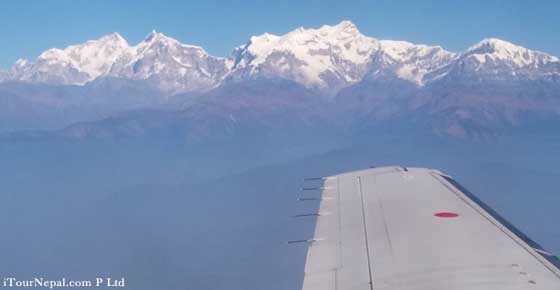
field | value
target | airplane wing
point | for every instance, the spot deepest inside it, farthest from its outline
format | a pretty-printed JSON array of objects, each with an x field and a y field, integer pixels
[{"x": 396, "y": 228}]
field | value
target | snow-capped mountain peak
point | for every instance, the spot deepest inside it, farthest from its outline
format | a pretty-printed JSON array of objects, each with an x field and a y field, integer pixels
[
  {"x": 334, "y": 56},
  {"x": 327, "y": 57},
  {"x": 341, "y": 31},
  {"x": 493, "y": 49},
  {"x": 408, "y": 61},
  {"x": 304, "y": 42},
  {"x": 158, "y": 39},
  {"x": 170, "y": 65},
  {"x": 346, "y": 26},
  {"x": 75, "y": 64},
  {"x": 155, "y": 36},
  {"x": 96, "y": 57},
  {"x": 494, "y": 59},
  {"x": 161, "y": 60},
  {"x": 495, "y": 45},
  {"x": 115, "y": 37}
]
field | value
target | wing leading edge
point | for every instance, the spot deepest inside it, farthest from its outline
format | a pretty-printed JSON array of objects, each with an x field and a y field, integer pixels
[{"x": 395, "y": 228}]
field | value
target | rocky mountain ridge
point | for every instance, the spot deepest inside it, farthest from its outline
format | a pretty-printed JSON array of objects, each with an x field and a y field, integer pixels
[{"x": 326, "y": 59}]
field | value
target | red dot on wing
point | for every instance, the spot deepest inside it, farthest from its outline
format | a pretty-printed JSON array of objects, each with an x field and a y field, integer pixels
[{"x": 446, "y": 214}]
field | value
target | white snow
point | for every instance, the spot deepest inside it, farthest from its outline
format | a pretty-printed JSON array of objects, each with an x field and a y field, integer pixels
[
  {"x": 414, "y": 61},
  {"x": 500, "y": 50},
  {"x": 342, "y": 50},
  {"x": 315, "y": 48},
  {"x": 331, "y": 55},
  {"x": 95, "y": 57}
]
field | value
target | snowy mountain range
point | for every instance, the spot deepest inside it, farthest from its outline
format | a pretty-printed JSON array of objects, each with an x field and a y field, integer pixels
[
  {"x": 159, "y": 60},
  {"x": 331, "y": 75},
  {"x": 326, "y": 59}
]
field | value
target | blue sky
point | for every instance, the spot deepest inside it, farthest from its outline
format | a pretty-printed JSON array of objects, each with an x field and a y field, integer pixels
[{"x": 29, "y": 27}]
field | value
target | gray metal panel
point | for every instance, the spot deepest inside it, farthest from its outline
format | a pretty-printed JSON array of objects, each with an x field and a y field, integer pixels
[{"x": 377, "y": 230}]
